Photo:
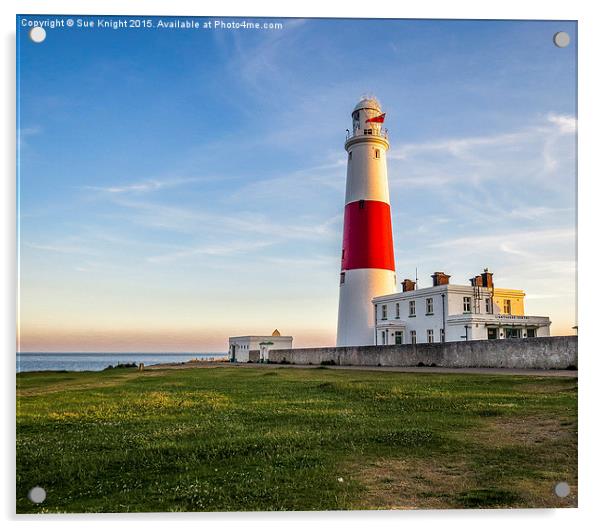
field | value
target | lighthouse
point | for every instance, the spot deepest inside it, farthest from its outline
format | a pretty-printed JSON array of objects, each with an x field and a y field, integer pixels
[{"x": 367, "y": 260}]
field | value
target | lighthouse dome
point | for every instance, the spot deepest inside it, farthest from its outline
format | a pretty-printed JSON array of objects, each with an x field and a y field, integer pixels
[{"x": 368, "y": 103}]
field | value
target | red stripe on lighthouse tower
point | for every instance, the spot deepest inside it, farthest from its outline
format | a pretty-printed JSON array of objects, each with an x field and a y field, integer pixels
[{"x": 367, "y": 236}]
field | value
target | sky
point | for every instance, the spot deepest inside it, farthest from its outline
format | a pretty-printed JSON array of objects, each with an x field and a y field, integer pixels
[{"x": 179, "y": 186}]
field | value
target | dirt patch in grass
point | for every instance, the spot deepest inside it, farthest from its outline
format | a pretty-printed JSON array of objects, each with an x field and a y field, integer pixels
[
  {"x": 410, "y": 483},
  {"x": 449, "y": 484},
  {"x": 541, "y": 494},
  {"x": 553, "y": 443},
  {"x": 506, "y": 431},
  {"x": 456, "y": 481}
]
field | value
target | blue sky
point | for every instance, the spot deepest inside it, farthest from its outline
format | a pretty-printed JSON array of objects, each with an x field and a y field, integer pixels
[{"x": 181, "y": 186}]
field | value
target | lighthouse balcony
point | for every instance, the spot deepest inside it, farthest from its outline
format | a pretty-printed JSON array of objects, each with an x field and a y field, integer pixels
[
  {"x": 374, "y": 138},
  {"x": 382, "y": 133}
]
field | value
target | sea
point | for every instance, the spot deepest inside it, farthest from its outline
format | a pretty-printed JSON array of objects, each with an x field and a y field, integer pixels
[{"x": 100, "y": 361}]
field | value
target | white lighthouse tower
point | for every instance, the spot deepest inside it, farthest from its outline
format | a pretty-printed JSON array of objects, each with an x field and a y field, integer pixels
[{"x": 367, "y": 261}]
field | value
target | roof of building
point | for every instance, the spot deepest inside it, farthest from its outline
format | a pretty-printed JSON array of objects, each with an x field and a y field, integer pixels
[
  {"x": 440, "y": 288},
  {"x": 260, "y": 337}
]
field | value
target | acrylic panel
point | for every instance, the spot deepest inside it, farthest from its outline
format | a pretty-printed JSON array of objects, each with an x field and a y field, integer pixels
[{"x": 295, "y": 264}]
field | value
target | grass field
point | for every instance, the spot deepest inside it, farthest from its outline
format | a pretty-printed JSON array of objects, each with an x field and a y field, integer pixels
[{"x": 223, "y": 439}]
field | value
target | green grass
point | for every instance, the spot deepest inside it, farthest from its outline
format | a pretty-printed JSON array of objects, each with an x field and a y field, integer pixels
[{"x": 232, "y": 438}]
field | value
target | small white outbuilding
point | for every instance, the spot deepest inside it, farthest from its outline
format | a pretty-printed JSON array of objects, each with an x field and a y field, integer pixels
[{"x": 256, "y": 348}]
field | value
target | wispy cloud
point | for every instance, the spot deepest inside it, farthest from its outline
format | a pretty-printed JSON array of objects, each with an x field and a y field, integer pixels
[
  {"x": 208, "y": 221},
  {"x": 474, "y": 159},
  {"x": 507, "y": 239},
  {"x": 230, "y": 248},
  {"x": 303, "y": 183},
  {"x": 62, "y": 248},
  {"x": 259, "y": 65},
  {"x": 458, "y": 147},
  {"x": 566, "y": 124},
  {"x": 24, "y": 133},
  {"x": 536, "y": 212},
  {"x": 30, "y": 131},
  {"x": 145, "y": 186}
]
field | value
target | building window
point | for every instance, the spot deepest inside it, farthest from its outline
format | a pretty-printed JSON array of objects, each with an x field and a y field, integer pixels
[
  {"x": 397, "y": 310},
  {"x": 350, "y": 155},
  {"x": 429, "y": 305},
  {"x": 398, "y": 337},
  {"x": 531, "y": 333},
  {"x": 442, "y": 335},
  {"x": 365, "y": 131},
  {"x": 383, "y": 336},
  {"x": 412, "y": 308},
  {"x": 492, "y": 333},
  {"x": 466, "y": 304},
  {"x": 384, "y": 312},
  {"x": 488, "y": 306},
  {"x": 377, "y": 153},
  {"x": 413, "y": 336},
  {"x": 429, "y": 336},
  {"x": 507, "y": 306},
  {"x": 342, "y": 278}
]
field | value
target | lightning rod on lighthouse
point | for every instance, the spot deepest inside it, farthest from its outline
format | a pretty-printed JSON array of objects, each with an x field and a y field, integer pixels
[{"x": 367, "y": 260}]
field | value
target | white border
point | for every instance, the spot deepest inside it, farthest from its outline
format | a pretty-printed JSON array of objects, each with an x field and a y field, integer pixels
[{"x": 590, "y": 175}]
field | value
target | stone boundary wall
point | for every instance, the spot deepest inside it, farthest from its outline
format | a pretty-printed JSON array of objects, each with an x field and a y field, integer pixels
[{"x": 554, "y": 352}]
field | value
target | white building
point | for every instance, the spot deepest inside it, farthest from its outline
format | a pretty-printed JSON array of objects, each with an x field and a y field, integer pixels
[
  {"x": 449, "y": 313},
  {"x": 255, "y": 348}
]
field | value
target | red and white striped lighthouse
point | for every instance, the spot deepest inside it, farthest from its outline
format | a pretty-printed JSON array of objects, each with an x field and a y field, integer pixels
[{"x": 367, "y": 262}]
